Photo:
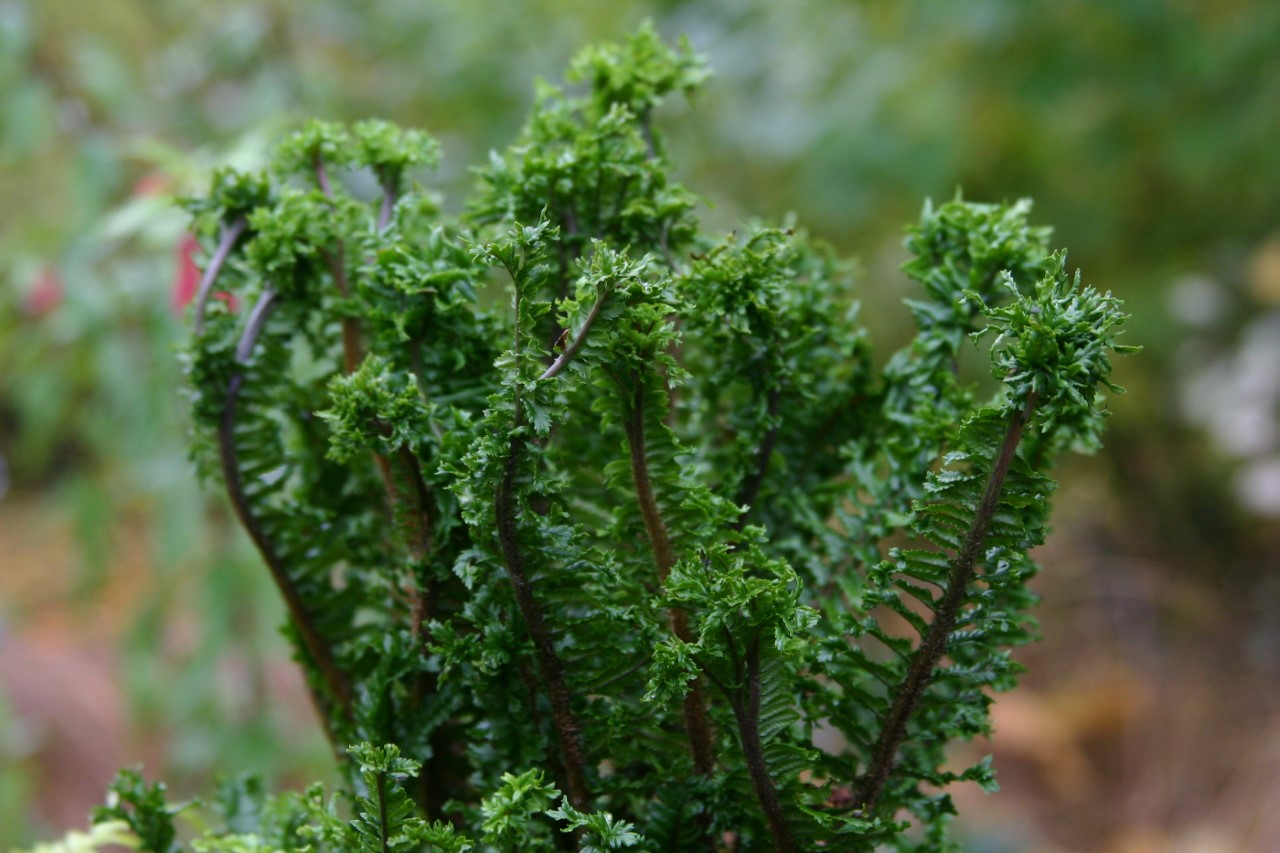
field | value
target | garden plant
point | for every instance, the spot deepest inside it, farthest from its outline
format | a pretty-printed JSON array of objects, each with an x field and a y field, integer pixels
[{"x": 599, "y": 532}]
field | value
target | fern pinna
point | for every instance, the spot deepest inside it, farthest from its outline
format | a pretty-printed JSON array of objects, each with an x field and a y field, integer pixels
[{"x": 580, "y": 515}]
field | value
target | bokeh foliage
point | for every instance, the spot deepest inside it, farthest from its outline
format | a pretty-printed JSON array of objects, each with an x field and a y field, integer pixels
[{"x": 1143, "y": 128}]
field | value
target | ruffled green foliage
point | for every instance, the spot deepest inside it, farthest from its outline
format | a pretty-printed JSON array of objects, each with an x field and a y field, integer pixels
[
  {"x": 144, "y": 809},
  {"x": 383, "y": 816},
  {"x": 580, "y": 511}
]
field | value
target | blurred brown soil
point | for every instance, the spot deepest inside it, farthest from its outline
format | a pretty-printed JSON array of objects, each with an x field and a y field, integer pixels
[
  {"x": 61, "y": 686},
  {"x": 58, "y": 664}
]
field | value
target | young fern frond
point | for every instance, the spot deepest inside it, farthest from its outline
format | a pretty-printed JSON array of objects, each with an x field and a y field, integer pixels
[{"x": 579, "y": 515}]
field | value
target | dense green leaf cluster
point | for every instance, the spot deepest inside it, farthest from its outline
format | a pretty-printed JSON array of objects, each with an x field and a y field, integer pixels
[{"x": 581, "y": 513}]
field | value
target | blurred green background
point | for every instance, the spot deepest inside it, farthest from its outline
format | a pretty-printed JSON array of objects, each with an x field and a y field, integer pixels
[{"x": 135, "y": 623}]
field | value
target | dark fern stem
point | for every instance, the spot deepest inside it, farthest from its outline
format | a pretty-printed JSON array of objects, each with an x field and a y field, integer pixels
[
  {"x": 743, "y": 695},
  {"x": 746, "y": 710},
  {"x": 352, "y": 347},
  {"x": 697, "y": 723},
  {"x": 934, "y": 646},
  {"x": 571, "y": 348},
  {"x": 352, "y": 340},
  {"x": 568, "y": 729},
  {"x": 750, "y": 490},
  {"x": 384, "y": 825},
  {"x": 231, "y": 234},
  {"x": 315, "y": 644},
  {"x": 411, "y": 503}
]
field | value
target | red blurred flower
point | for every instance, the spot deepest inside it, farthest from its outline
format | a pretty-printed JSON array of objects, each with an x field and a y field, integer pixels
[
  {"x": 186, "y": 280},
  {"x": 45, "y": 293},
  {"x": 152, "y": 183}
]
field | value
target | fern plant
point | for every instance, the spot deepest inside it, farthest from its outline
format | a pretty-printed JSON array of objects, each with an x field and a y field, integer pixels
[{"x": 587, "y": 522}]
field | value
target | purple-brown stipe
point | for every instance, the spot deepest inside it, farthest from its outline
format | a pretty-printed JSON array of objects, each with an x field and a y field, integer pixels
[{"x": 226, "y": 243}]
